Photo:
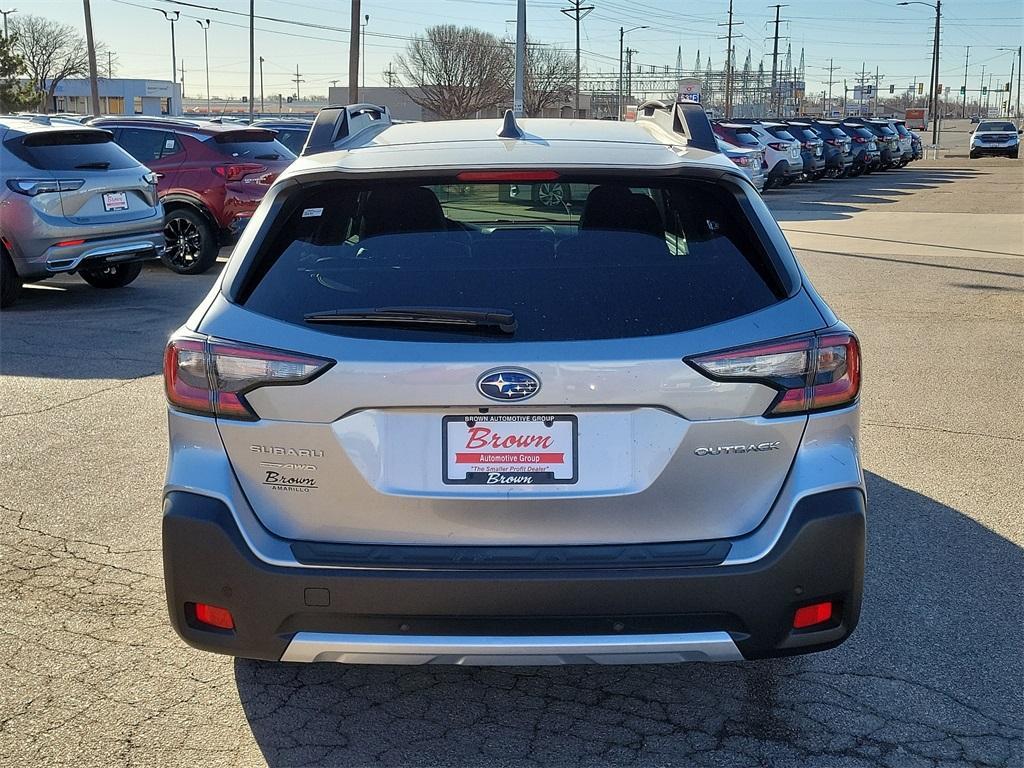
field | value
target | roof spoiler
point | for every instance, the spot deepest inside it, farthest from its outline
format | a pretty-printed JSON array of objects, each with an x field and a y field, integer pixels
[
  {"x": 336, "y": 126},
  {"x": 686, "y": 118}
]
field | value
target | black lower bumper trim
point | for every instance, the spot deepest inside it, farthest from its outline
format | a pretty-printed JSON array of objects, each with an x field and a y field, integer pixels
[{"x": 820, "y": 556}]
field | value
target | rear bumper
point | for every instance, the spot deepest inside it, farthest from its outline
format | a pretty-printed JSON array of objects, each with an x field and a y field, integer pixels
[
  {"x": 529, "y": 615},
  {"x": 94, "y": 254}
]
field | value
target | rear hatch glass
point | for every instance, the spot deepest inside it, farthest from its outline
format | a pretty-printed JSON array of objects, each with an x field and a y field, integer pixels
[
  {"x": 252, "y": 145},
  {"x": 741, "y": 136},
  {"x": 573, "y": 259},
  {"x": 781, "y": 133},
  {"x": 71, "y": 150}
]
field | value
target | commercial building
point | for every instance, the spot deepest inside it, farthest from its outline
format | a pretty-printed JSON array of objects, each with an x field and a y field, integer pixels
[{"x": 118, "y": 96}]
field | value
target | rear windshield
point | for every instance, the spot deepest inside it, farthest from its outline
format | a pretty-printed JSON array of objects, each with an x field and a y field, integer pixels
[
  {"x": 571, "y": 259},
  {"x": 806, "y": 133},
  {"x": 781, "y": 133},
  {"x": 252, "y": 145},
  {"x": 901, "y": 130},
  {"x": 740, "y": 136},
  {"x": 71, "y": 150},
  {"x": 997, "y": 127},
  {"x": 293, "y": 138}
]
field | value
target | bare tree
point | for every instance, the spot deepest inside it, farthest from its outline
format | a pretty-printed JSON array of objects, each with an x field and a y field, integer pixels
[
  {"x": 455, "y": 71},
  {"x": 52, "y": 52},
  {"x": 550, "y": 77}
]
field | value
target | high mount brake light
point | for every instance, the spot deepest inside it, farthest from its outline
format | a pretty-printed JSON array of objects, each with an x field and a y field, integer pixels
[
  {"x": 210, "y": 377},
  {"x": 811, "y": 373},
  {"x": 507, "y": 176}
]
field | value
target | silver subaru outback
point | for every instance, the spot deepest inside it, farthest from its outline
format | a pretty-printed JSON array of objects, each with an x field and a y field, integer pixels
[
  {"x": 71, "y": 200},
  {"x": 422, "y": 419}
]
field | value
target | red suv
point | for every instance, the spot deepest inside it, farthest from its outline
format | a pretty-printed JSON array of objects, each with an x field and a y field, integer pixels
[{"x": 211, "y": 178}]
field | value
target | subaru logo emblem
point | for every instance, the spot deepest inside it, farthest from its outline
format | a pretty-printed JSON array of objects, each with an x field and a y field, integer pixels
[{"x": 508, "y": 384}]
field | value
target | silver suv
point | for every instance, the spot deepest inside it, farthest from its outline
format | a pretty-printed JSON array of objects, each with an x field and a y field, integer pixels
[
  {"x": 71, "y": 200},
  {"x": 422, "y": 420}
]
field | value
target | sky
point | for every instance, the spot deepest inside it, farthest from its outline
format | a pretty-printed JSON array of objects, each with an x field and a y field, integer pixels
[{"x": 851, "y": 33}]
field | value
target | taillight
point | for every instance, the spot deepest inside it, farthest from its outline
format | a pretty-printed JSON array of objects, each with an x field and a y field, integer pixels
[
  {"x": 811, "y": 373},
  {"x": 211, "y": 377},
  {"x": 860, "y": 139},
  {"x": 744, "y": 161},
  {"x": 236, "y": 171},
  {"x": 33, "y": 187},
  {"x": 778, "y": 146}
]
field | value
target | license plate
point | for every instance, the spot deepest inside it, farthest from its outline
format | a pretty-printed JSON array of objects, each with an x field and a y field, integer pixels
[
  {"x": 509, "y": 449},
  {"x": 115, "y": 201}
]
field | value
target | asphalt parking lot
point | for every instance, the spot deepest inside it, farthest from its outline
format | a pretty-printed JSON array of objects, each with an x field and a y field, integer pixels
[{"x": 926, "y": 263}]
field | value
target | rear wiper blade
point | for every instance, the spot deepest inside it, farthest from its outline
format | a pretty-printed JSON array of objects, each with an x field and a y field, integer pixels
[
  {"x": 100, "y": 165},
  {"x": 271, "y": 156},
  {"x": 501, "y": 319}
]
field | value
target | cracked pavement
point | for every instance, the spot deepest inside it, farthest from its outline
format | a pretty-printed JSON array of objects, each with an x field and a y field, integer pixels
[{"x": 92, "y": 675}]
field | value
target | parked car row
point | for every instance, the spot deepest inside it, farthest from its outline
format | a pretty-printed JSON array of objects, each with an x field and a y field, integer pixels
[
  {"x": 807, "y": 149},
  {"x": 99, "y": 196}
]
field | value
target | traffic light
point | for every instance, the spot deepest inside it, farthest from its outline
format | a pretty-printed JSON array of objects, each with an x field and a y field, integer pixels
[
  {"x": 963, "y": 90},
  {"x": 892, "y": 88},
  {"x": 984, "y": 90},
  {"x": 1006, "y": 87},
  {"x": 245, "y": 99},
  {"x": 920, "y": 88}
]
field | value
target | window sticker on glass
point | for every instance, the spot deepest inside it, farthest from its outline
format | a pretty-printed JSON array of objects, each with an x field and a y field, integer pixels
[
  {"x": 311, "y": 212},
  {"x": 169, "y": 144}
]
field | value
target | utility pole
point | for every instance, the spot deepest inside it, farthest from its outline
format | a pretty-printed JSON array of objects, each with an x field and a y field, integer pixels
[
  {"x": 252, "y": 59},
  {"x": 94, "y": 87},
  {"x": 110, "y": 65},
  {"x": 875, "y": 110},
  {"x": 182, "y": 83},
  {"x": 775, "y": 58},
  {"x": 362, "y": 36},
  {"x": 629, "y": 70},
  {"x": 353, "y": 56},
  {"x": 577, "y": 13},
  {"x": 205, "y": 24},
  {"x": 728, "y": 62},
  {"x": 831, "y": 69},
  {"x": 298, "y": 80},
  {"x": 261, "y": 84},
  {"x": 967, "y": 59},
  {"x": 6, "y": 14},
  {"x": 390, "y": 75},
  {"x": 981, "y": 88},
  {"x": 519, "y": 86},
  {"x": 861, "y": 81}
]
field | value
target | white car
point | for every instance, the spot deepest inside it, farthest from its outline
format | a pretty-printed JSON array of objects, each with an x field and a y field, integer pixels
[
  {"x": 995, "y": 137},
  {"x": 785, "y": 163}
]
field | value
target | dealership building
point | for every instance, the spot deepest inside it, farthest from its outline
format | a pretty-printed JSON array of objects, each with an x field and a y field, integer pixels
[{"x": 118, "y": 96}]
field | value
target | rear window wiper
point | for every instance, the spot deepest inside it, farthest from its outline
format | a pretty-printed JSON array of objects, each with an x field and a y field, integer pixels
[
  {"x": 501, "y": 319},
  {"x": 270, "y": 156},
  {"x": 99, "y": 165}
]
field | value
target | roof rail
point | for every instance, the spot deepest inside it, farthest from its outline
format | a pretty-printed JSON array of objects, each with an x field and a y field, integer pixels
[
  {"x": 686, "y": 118},
  {"x": 336, "y": 126}
]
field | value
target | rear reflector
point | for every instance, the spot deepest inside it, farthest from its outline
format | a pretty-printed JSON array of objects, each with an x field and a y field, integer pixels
[
  {"x": 811, "y": 373},
  {"x": 66, "y": 243},
  {"x": 213, "y": 616},
  {"x": 507, "y": 176},
  {"x": 210, "y": 377},
  {"x": 812, "y": 615}
]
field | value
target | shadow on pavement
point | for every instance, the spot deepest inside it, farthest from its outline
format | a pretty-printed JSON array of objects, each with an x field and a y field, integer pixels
[
  {"x": 905, "y": 690},
  {"x": 64, "y": 328},
  {"x": 837, "y": 199}
]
